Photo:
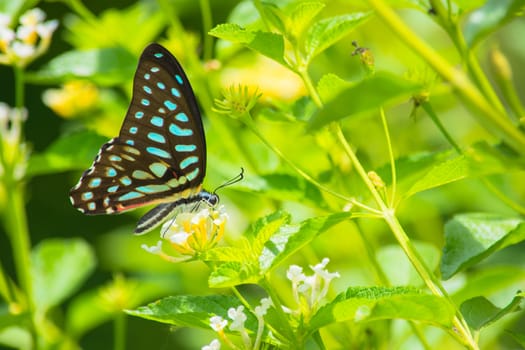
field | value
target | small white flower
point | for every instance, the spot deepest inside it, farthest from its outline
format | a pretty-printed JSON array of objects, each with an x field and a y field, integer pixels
[
  {"x": 45, "y": 30},
  {"x": 5, "y": 20},
  {"x": 7, "y": 35},
  {"x": 238, "y": 317},
  {"x": 217, "y": 323},
  {"x": 295, "y": 274},
  {"x": 178, "y": 238},
  {"x": 22, "y": 50},
  {"x": 263, "y": 308},
  {"x": 156, "y": 249},
  {"x": 214, "y": 345},
  {"x": 24, "y": 32},
  {"x": 32, "y": 17}
]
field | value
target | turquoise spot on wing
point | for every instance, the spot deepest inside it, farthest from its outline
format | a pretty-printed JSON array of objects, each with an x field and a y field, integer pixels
[
  {"x": 161, "y": 85},
  {"x": 95, "y": 182},
  {"x": 91, "y": 206},
  {"x": 170, "y": 105},
  {"x": 158, "y": 152},
  {"x": 144, "y": 102},
  {"x": 175, "y": 92},
  {"x": 111, "y": 172},
  {"x": 125, "y": 180},
  {"x": 106, "y": 201},
  {"x": 185, "y": 148},
  {"x": 153, "y": 188},
  {"x": 133, "y": 130},
  {"x": 193, "y": 174},
  {"x": 147, "y": 76},
  {"x": 175, "y": 130},
  {"x": 158, "y": 54},
  {"x": 153, "y": 136},
  {"x": 130, "y": 195},
  {"x": 141, "y": 175},
  {"x": 154, "y": 69},
  {"x": 158, "y": 169},
  {"x": 181, "y": 117},
  {"x": 130, "y": 142},
  {"x": 179, "y": 79},
  {"x": 113, "y": 189},
  {"x": 157, "y": 121},
  {"x": 174, "y": 182},
  {"x": 139, "y": 114},
  {"x": 87, "y": 196},
  {"x": 186, "y": 162},
  {"x": 147, "y": 89}
]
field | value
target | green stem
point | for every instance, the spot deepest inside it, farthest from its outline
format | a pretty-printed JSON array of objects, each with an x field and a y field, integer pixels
[
  {"x": 119, "y": 326},
  {"x": 276, "y": 301},
  {"x": 433, "y": 284},
  {"x": 207, "y": 23},
  {"x": 310, "y": 87},
  {"x": 430, "y": 111},
  {"x": 493, "y": 119},
  {"x": 391, "y": 156},
  {"x": 451, "y": 27},
  {"x": 19, "y": 87},
  {"x": 16, "y": 227}
]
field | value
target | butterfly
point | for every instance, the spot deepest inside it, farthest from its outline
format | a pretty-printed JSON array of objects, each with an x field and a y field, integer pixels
[{"x": 159, "y": 156}]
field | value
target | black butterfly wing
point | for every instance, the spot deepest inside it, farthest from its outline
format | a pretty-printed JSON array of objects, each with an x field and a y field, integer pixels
[{"x": 160, "y": 153}]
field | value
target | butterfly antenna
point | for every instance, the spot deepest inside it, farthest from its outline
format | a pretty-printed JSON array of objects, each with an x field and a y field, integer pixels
[{"x": 231, "y": 181}]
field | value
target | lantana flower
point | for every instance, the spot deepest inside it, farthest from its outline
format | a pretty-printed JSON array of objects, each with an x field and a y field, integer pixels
[
  {"x": 192, "y": 232},
  {"x": 310, "y": 291},
  {"x": 29, "y": 40}
]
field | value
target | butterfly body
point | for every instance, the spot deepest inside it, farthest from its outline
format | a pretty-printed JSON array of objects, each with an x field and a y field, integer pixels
[{"x": 159, "y": 156}]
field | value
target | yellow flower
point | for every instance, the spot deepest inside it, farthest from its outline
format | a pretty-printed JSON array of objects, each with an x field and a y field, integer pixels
[
  {"x": 191, "y": 232},
  {"x": 72, "y": 99}
]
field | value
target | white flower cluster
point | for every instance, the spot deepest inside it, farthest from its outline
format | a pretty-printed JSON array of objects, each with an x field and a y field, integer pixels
[
  {"x": 238, "y": 318},
  {"x": 31, "y": 39},
  {"x": 13, "y": 149},
  {"x": 191, "y": 232},
  {"x": 309, "y": 291}
]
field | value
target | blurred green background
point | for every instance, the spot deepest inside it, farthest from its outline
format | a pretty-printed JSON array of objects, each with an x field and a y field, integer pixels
[{"x": 51, "y": 215}]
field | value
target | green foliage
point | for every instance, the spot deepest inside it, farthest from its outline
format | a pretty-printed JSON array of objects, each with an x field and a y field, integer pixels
[
  {"x": 471, "y": 237},
  {"x": 354, "y": 208}
]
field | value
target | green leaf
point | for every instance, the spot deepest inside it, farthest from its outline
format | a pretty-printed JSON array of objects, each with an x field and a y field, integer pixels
[
  {"x": 402, "y": 272},
  {"x": 480, "y": 312},
  {"x": 107, "y": 66},
  {"x": 189, "y": 310},
  {"x": 326, "y": 32},
  {"x": 272, "y": 14},
  {"x": 360, "y": 304},
  {"x": 59, "y": 267},
  {"x": 273, "y": 242},
  {"x": 470, "y": 238},
  {"x": 300, "y": 16},
  {"x": 72, "y": 152},
  {"x": 364, "y": 97},
  {"x": 113, "y": 27},
  {"x": 488, "y": 18},
  {"x": 330, "y": 85},
  {"x": 291, "y": 238},
  {"x": 479, "y": 160},
  {"x": 266, "y": 43},
  {"x": 234, "y": 273}
]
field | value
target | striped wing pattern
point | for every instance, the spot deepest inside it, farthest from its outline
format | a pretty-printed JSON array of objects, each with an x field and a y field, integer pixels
[{"x": 160, "y": 153}]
